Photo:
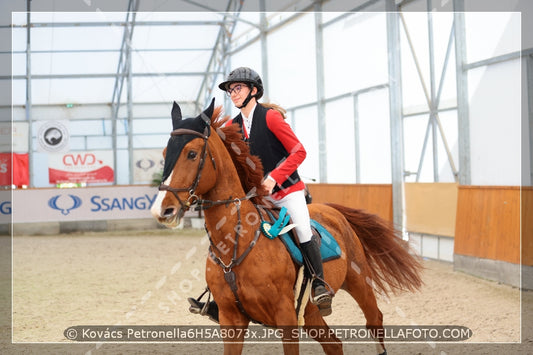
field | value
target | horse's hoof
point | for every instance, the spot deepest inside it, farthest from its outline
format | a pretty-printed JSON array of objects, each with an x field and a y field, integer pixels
[{"x": 384, "y": 353}]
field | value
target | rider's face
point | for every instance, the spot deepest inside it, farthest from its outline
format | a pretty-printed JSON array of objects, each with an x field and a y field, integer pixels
[{"x": 238, "y": 93}]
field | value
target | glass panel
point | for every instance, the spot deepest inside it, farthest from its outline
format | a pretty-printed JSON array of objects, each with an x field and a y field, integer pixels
[
  {"x": 291, "y": 63},
  {"x": 340, "y": 141},
  {"x": 352, "y": 59},
  {"x": 306, "y": 128},
  {"x": 374, "y": 124},
  {"x": 490, "y": 34}
]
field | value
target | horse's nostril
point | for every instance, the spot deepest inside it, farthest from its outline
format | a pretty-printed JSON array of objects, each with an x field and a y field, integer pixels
[{"x": 169, "y": 212}]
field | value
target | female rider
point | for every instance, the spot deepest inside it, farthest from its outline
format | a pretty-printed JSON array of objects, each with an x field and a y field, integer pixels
[{"x": 274, "y": 142}]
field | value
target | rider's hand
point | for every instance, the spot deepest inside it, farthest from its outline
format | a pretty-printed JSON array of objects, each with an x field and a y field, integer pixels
[{"x": 269, "y": 184}]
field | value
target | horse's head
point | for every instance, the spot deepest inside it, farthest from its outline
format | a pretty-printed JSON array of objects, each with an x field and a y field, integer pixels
[{"x": 186, "y": 174}]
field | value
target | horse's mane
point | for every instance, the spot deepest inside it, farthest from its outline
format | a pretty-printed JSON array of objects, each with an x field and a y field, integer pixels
[{"x": 249, "y": 167}]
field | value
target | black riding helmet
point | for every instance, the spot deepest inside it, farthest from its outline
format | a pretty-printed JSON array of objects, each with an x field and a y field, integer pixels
[{"x": 247, "y": 76}]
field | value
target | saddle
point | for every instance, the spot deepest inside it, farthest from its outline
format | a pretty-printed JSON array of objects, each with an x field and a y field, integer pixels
[
  {"x": 329, "y": 247},
  {"x": 329, "y": 250}
]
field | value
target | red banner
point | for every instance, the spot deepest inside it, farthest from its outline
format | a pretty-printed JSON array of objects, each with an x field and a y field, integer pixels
[
  {"x": 19, "y": 169},
  {"x": 76, "y": 167},
  {"x": 104, "y": 174}
]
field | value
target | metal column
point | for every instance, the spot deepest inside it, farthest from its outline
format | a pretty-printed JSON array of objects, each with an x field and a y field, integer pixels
[
  {"x": 356, "y": 139},
  {"x": 29, "y": 117},
  {"x": 432, "y": 107},
  {"x": 462, "y": 93},
  {"x": 529, "y": 78},
  {"x": 225, "y": 36},
  {"x": 124, "y": 71},
  {"x": 264, "y": 48},
  {"x": 129, "y": 86},
  {"x": 395, "y": 103},
  {"x": 219, "y": 61},
  {"x": 320, "y": 93}
]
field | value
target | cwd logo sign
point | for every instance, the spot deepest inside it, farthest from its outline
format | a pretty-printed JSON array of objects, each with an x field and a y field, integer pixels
[
  {"x": 65, "y": 205},
  {"x": 87, "y": 166},
  {"x": 80, "y": 159}
]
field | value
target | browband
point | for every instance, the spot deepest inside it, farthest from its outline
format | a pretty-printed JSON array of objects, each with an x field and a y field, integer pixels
[{"x": 180, "y": 131}]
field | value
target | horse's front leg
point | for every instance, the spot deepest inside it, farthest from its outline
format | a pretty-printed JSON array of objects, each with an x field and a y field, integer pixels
[
  {"x": 288, "y": 323},
  {"x": 233, "y": 326},
  {"x": 291, "y": 345}
]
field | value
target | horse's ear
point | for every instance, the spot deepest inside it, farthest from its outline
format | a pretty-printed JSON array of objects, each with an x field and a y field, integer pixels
[
  {"x": 176, "y": 114},
  {"x": 208, "y": 112}
]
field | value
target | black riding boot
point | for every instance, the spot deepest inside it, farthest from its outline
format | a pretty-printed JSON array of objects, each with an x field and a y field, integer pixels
[
  {"x": 210, "y": 309},
  {"x": 321, "y": 296}
]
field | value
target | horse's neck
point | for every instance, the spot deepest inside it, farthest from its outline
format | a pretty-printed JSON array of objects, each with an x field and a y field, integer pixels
[{"x": 223, "y": 221}]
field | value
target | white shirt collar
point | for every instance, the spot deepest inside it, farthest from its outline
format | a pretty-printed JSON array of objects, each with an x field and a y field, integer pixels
[
  {"x": 251, "y": 115},
  {"x": 248, "y": 120}
]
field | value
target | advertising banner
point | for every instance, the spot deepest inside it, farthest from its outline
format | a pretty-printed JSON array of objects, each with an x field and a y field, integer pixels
[
  {"x": 146, "y": 163},
  {"x": 21, "y": 169},
  {"x": 5, "y": 206},
  {"x": 53, "y": 136},
  {"x": 77, "y": 167},
  {"x": 78, "y": 204},
  {"x": 14, "y": 137},
  {"x": 16, "y": 166},
  {"x": 5, "y": 169}
]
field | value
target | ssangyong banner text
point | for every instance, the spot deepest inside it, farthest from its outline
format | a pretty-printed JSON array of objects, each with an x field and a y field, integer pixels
[{"x": 93, "y": 203}]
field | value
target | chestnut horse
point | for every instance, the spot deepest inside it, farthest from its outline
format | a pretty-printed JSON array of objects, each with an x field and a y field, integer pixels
[{"x": 251, "y": 277}]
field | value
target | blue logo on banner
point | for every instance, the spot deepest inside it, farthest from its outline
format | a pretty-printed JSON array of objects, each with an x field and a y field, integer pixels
[
  {"x": 76, "y": 202},
  {"x": 5, "y": 207}
]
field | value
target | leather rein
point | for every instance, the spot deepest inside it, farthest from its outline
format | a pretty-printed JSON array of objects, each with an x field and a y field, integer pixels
[{"x": 202, "y": 204}]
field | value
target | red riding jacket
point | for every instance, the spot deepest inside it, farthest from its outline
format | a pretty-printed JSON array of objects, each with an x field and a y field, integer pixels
[{"x": 280, "y": 151}]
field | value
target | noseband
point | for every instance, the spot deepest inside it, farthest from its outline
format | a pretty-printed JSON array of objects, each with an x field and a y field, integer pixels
[{"x": 193, "y": 198}]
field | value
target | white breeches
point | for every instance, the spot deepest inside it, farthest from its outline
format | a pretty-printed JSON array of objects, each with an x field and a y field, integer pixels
[{"x": 297, "y": 209}]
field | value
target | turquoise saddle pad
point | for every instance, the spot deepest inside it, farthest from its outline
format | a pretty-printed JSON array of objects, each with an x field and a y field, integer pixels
[{"x": 329, "y": 247}]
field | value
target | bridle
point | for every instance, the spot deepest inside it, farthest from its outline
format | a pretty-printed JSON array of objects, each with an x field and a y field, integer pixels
[{"x": 193, "y": 198}]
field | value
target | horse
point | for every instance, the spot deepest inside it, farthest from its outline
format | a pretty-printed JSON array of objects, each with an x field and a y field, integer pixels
[{"x": 251, "y": 277}]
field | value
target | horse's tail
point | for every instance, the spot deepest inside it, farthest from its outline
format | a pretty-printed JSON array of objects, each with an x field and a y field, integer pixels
[{"x": 387, "y": 253}]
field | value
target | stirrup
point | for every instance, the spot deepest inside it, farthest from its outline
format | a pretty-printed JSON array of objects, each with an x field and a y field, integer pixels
[
  {"x": 209, "y": 309},
  {"x": 203, "y": 308},
  {"x": 322, "y": 300},
  {"x": 196, "y": 306}
]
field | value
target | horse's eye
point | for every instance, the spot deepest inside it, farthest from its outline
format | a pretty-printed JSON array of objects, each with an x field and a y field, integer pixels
[{"x": 192, "y": 155}]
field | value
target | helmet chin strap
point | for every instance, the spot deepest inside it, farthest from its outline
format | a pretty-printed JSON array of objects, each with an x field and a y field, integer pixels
[{"x": 248, "y": 98}]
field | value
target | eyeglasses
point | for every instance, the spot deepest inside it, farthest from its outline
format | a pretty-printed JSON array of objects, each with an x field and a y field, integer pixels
[{"x": 236, "y": 89}]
